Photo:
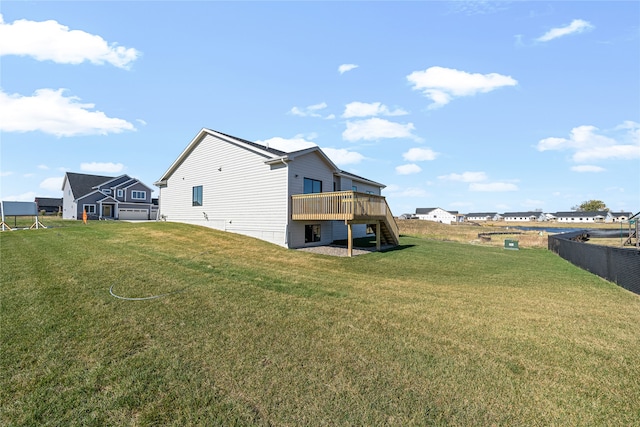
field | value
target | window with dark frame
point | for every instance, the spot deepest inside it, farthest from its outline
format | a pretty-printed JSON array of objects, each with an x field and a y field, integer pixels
[
  {"x": 312, "y": 186},
  {"x": 312, "y": 233},
  {"x": 197, "y": 196}
]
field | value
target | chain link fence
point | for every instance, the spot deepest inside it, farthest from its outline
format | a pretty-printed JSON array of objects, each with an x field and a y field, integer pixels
[{"x": 618, "y": 265}]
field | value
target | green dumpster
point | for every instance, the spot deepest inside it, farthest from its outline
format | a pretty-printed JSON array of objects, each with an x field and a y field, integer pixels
[{"x": 511, "y": 244}]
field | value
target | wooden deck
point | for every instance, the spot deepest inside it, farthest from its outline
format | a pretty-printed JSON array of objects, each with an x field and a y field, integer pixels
[{"x": 351, "y": 207}]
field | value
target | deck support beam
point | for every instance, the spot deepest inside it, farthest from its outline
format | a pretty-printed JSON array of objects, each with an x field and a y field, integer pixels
[
  {"x": 349, "y": 240},
  {"x": 378, "y": 233}
]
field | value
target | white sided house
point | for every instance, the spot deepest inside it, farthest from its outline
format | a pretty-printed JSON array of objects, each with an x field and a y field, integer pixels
[
  {"x": 483, "y": 216},
  {"x": 293, "y": 199},
  {"x": 584, "y": 217},
  {"x": 437, "y": 215},
  {"x": 530, "y": 216}
]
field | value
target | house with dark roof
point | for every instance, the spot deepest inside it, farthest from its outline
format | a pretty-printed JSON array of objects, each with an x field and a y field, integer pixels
[
  {"x": 580, "y": 217},
  {"x": 620, "y": 216},
  {"x": 106, "y": 197},
  {"x": 528, "y": 216},
  {"x": 49, "y": 205},
  {"x": 483, "y": 216},
  {"x": 293, "y": 198}
]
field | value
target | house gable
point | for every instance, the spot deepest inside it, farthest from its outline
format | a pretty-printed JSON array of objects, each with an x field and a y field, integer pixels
[
  {"x": 436, "y": 215},
  {"x": 264, "y": 152},
  {"x": 80, "y": 184},
  {"x": 228, "y": 183}
]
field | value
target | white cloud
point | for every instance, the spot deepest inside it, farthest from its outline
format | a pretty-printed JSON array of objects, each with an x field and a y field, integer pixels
[
  {"x": 98, "y": 167},
  {"x": 43, "y": 167},
  {"x": 309, "y": 111},
  {"x": 408, "y": 169},
  {"x": 492, "y": 187},
  {"x": 341, "y": 156},
  {"x": 375, "y": 128},
  {"x": 587, "y": 168},
  {"x": 588, "y": 144},
  {"x": 465, "y": 177},
  {"x": 6, "y": 173},
  {"x": 29, "y": 196},
  {"x": 49, "y": 40},
  {"x": 50, "y": 112},
  {"x": 363, "y": 109},
  {"x": 618, "y": 152},
  {"x": 441, "y": 84},
  {"x": 52, "y": 184},
  {"x": 287, "y": 145},
  {"x": 346, "y": 67},
  {"x": 577, "y": 26},
  {"x": 419, "y": 155}
]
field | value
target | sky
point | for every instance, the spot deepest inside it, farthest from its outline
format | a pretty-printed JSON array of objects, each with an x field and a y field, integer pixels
[{"x": 483, "y": 106}]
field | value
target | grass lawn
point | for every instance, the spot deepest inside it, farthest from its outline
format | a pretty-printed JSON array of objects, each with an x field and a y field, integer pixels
[{"x": 432, "y": 333}]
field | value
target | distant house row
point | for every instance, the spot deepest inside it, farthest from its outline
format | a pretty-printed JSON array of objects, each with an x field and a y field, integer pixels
[{"x": 448, "y": 217}]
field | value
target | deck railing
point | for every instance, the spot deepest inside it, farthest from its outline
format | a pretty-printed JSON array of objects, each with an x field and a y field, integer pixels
[
  {"x": 339, "y": 205},
  {"x": 346, "y": 206}
]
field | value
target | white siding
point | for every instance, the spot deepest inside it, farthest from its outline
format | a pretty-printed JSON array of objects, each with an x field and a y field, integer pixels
[
  {"x": 69, "y": 208},
  {"x": 310, "y": 165},
  {"x": 241, "y": 194},
  {"x": 346, "y": 183},
  {"x": 438, "y": 215}
]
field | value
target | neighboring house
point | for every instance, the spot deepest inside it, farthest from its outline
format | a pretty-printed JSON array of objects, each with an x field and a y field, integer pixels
[
  {"x": 583, "y": 217},
  {"x": 49, "y": 205},
  {"x": 106, "y": 197},
  {"x": 620, "y": 216},
  {"x": 530, "y": 216},
  {"x": 437, "y": 215},
  {"x": 292, "y": 199},
  {"x": 407, "y": 216},
  {"x": 484, "y": 216}
]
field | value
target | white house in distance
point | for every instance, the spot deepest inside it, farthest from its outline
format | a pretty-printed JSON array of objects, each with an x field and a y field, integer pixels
[
  {"x": 483, "y": 216},
  {"x": 530, "y": 216},
  {"x": 582, "y": 217},
  {"x": 437, "y": 215},
  {"x": 293, "y": 199}
]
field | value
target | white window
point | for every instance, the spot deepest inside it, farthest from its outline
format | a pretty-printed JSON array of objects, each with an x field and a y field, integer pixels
[
  {"x": 138, "y": 195},
  {"x": 90, "y": 209},
  {"x": 120, "y": 192}
]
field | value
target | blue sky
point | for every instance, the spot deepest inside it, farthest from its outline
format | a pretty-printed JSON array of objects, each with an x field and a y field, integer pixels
[{"x": 468, "y": 106}]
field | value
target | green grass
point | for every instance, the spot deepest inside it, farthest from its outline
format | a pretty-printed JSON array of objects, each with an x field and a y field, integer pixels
[{"x": 433, "y": 333}]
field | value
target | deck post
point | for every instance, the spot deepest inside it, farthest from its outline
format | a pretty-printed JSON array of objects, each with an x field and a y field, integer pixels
[
  {"x": 378, "y": 232},
  {"x": 349, "y": 241}
]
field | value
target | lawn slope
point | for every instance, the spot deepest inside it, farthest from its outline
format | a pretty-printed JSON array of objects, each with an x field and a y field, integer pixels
[{"x": 252, "y": 334}]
